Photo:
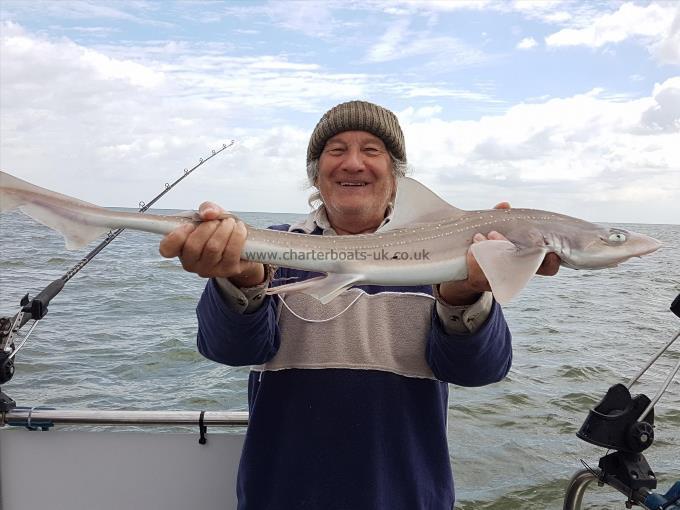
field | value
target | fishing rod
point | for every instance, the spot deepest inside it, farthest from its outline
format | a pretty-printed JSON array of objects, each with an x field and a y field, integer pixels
[{"x": 36, "y": 308}]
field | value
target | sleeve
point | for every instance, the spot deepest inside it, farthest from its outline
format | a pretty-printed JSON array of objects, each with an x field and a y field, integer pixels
[
  {"x": 247, "y": 299},
  {"x": 471, "y": 359},
  {"x": 463, "y": 319},
  {"x": 229, "y": 336}
]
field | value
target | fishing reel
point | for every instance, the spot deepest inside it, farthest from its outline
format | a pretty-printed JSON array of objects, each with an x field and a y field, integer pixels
[
  {"x": 6, "y": 403},
  {"x": 31, "y": 309},
  {"x": 35, "y": 309},
  {"x": 6, "y": 363},
  {"x": 6, "y": 368},
  {"x": 6, "y": 349}
]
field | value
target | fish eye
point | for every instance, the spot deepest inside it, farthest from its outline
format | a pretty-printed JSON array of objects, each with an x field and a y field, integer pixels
[{"x": 617, "y": 237}]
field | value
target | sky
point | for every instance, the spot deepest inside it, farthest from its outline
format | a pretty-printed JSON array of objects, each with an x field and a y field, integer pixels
[{"x": 572, "y": 107}]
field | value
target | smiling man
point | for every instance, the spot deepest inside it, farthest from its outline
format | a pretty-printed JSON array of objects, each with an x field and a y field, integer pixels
[
  {"x": 348, "y": 401},
  {"x": 355, "y": 181}
]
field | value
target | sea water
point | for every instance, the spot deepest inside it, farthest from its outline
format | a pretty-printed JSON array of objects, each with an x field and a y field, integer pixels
[{"x": 122, "y": 335}]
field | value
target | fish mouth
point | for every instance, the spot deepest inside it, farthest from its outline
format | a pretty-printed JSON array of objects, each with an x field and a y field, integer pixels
[{"x": 653, "y": 246}]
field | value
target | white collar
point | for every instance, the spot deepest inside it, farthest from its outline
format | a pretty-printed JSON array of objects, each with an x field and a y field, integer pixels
[{"x": 319, "y": 218}]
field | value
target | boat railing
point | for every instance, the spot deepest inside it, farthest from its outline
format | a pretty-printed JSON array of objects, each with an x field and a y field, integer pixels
[{"x": 44, "y": 418}]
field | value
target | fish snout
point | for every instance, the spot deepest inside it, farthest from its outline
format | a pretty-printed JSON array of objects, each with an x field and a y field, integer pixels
[
  {"x": 640, "y": 245},
  {"x": 651, "y": 245}
]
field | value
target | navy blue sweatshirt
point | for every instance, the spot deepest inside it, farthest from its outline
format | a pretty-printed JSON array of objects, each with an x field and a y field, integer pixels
[{"x": 345, "y": 429}]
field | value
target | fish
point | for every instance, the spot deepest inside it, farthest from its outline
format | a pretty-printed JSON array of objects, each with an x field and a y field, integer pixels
[{"x": 425, "y": 241}]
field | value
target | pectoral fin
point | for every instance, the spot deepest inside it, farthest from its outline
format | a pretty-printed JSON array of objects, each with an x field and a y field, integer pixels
[
  {"x": 323, "y": 288},
  {"x": 507, "y": 268}
]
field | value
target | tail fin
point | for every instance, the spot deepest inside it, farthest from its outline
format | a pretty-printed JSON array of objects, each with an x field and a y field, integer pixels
[
  {"x": 8, "y": 200},
  {"x": 57, "y": 211}
]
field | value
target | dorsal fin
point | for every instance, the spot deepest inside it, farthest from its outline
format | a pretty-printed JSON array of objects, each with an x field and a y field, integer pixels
[{"x": 416, "y": 203}]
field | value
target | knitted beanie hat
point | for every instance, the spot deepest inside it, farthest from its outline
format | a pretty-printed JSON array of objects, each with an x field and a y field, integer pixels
[{"x": 358, "y": 116}]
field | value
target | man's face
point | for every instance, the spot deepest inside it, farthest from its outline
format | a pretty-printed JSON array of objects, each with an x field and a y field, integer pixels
[{"x": 355, "y": 179}]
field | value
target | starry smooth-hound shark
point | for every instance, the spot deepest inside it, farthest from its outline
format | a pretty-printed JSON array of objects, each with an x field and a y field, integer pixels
[{"x": 424, "y": 242}]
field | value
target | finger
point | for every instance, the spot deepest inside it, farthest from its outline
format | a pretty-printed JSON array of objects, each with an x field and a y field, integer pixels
[
  {"x": 171, "y": 245},
  {"x": 209, "y": 211},
  {"x": 232, "y": 251},
  {"x": 193, "y": 248},
  {"x": 502, "y": 205},
  {"x": 477, "y": 238},
  {"x": 476, "y": 278},
  {"x": 214, "y": 246},
  {"x": 496, "y": 236}
]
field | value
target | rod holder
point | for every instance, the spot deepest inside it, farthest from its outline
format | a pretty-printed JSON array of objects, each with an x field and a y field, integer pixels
[{"x": 614, "y": 424}]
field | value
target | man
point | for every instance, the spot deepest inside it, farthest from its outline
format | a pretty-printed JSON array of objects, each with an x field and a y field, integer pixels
[{"x": 347, "y": 413}]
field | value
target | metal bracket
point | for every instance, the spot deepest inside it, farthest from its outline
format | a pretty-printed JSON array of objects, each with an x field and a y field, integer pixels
[{"x": 202, "y": 429}]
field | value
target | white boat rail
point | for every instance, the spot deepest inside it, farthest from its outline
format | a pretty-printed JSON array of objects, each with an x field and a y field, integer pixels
[{"x": 37, "y": 416}]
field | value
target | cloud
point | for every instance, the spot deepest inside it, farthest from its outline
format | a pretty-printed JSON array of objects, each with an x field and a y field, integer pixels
[
  {"x": 667, "y": 48},
  {"x": 313, "y": 18},
  {"x": 664, "y": 114},
  {"x": 189, "y": 76},
  {"x": 139, "y": 12},
  {"x": 110, "y": 124},
  {"x": 20, "y": 52},
  {"x": 657, "y": 25},
  {"x": 91, "y": 31},
  {"x": 390, "y": 45},
  {"x": 440, "y": 52},
  {"x": 411, "y": 6},
  {"x": 412, "y": 114},
  {"x": 76, "y": 115},
  {"x": 177, "y": 70},
  {"x": 105, "y": 117},
  {"x": 547, "y": 11},
  {"x": 582, "y": 155},
  {"x": 527, "y": 43}
]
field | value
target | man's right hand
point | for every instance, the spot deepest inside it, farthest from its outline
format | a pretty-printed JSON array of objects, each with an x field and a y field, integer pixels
[{"x": 213, "y": 248}]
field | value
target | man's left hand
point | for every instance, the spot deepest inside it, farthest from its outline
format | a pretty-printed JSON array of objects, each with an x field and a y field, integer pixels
[{"x": 466, "y": 292}]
